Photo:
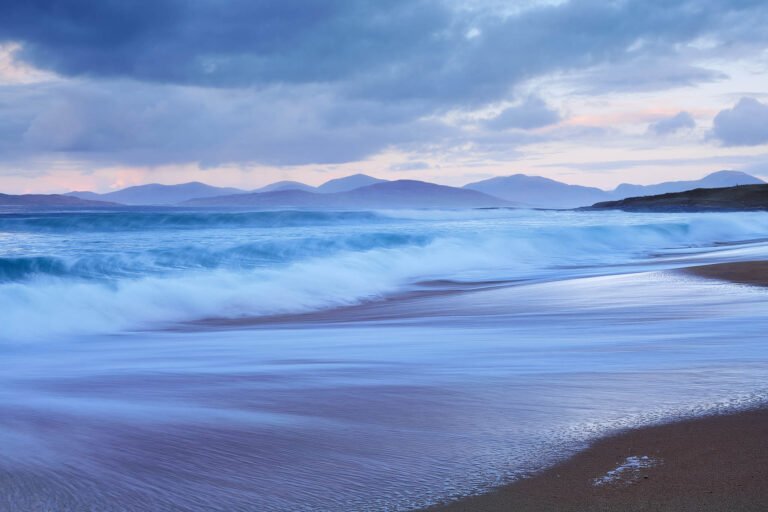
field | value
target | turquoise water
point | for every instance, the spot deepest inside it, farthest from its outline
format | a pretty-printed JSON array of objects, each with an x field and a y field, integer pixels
[{"x": 196, "y": 360}]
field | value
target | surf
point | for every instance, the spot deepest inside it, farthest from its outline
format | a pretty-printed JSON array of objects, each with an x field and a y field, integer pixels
[{"x": 274, "y": 263}]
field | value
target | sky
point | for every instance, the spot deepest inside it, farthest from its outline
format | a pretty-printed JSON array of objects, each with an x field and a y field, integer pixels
[{"x": 103, "y": 95}]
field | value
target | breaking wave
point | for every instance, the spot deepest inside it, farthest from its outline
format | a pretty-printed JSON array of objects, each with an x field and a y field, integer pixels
[
  {"x": 140, "y": 281},
  {"x": 116, "y": 221}
]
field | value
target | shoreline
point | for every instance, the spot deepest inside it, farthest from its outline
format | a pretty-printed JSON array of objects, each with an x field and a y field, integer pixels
[
  {"x": 380, "y": 308},
  {"x": 716, "y": 463},
  {"x": 754, "y": 273}
]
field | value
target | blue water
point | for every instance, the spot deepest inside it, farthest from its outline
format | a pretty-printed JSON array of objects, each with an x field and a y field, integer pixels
[{"x": 164, "y": 359}]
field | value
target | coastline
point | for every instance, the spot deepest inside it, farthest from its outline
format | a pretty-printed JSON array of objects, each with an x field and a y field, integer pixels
[
  {"x": 753, "y": 273},
  {"x": 711, "y": 464},
  {"x": 715, "y": 463}
]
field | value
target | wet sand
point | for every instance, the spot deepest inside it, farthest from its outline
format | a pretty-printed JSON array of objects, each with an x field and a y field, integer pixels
[
  {"x": 747, "y": 272},
  {"x": 398, "y": 307},
  {"x": 415, "y": 303},
  {"x": 716, "y": 463}
]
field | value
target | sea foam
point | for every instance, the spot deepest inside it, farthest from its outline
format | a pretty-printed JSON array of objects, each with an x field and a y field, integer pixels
[{"x": 229, "y": 265}]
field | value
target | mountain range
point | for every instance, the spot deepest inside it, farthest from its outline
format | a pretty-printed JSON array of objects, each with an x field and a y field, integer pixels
[
  {"x": 157, "y": 194},
  {"x": 383, "y": 195},
  {"x": 539, "y": 192},
  {"x": 718, "y": 179},
  {"x": 49, "y": 200},
  {"x": 362, "y": 191}
]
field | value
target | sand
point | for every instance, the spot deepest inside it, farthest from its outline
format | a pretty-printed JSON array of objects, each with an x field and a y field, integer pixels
[
  {"x": 747, "y": 272},
  {"x": 716, "y": 463}
]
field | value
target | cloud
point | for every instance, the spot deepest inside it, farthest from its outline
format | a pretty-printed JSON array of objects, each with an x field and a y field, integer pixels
[
  {"x": 410, "y": 166},
  {"x": 730, "y": 161},
  {"x": 14, "y": 72},
  {"x": 667, "y": 126},
  {"x": 394, "y": 49},
  {"x": 231, "y": 44},
  {"x": 154, "y": 124},
  {"x": 643, "y": 73},
  {"x": 530, "y": 114},
  {"x": 300, "y": 81},
  {"x": 759, "y": 167},
  {"x": 746, "y": 124}
]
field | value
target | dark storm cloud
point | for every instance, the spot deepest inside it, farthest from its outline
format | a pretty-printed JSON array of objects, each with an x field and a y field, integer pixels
[
  {"x": 222, "y": 43},
  {"x": 393, "y": 49},
  {"x": 746, "y": 124},
  {"x": 329, "y": 81},
  {"x": 670, "y": 125}
]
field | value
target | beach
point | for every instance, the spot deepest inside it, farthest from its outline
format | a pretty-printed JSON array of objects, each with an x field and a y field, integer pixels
[
  {"x": 384, "y": 256},
  {"x": 712, "y": 464},
  {"x": 368, "y": 361},
  {"x": 715, "y": 463},
  {"x": 753, "y": 273}
]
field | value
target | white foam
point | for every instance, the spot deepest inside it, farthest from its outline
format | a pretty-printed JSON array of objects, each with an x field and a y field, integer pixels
[
  {"x": 534, "y": 244},
  {"x": 628, "y": 471}
]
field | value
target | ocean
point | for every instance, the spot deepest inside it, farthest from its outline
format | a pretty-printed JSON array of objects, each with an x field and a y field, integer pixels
[{"x": 201, "y": 360}]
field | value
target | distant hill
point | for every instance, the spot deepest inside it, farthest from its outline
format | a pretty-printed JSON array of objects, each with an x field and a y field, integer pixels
[
  {"x": 389, "y": 194},
  {"x": 541, "y": 192},
  {"x": 344, "y": 184},
  {"x": 348, "y": 183},
  {"x": 738, "y": 198},
  {"x": 538, "y": 192},
  {"x": 717, "y": 179},
  {"x": 93, "y": 196},
  {"x": 48, "y": 200},
  {"x": 284, "y": 185},
  {"x": 519, "y": 189},
  {"x": 157, "y": 194}
]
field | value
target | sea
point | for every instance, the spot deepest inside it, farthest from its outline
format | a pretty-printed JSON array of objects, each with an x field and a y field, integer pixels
[{"x": 166, "y": 359}]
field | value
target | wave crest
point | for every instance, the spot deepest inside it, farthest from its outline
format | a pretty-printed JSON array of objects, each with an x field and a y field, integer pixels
[{"x": 309, "y": 270}]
